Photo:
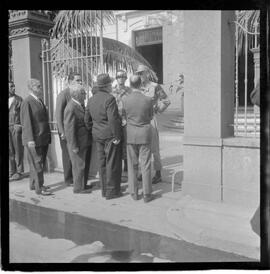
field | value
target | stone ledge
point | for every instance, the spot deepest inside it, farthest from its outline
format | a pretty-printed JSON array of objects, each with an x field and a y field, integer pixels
[
  {"x": 202, "y": 141},
  {"x": 242, "y": 142},
  {"x": 219, "y": 142}
]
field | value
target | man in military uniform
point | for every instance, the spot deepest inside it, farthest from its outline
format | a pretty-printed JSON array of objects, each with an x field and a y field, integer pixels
[
  {"x": 15, "y": 135},
  {"x": 120, "y": 91},
  {"x": 160, "y": 102}
]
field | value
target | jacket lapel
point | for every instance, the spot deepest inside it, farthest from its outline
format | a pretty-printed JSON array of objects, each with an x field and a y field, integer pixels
[{"x": 77, "y": 106}]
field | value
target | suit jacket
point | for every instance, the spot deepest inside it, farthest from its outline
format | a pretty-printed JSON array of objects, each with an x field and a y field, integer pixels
[
  {"x": 77, "y": 135},
  {"x": 61, "y": 102},
  {"x": 138, "y": 110},
  {"x": 14, "y": 111},
  {"x": 35, "y": 122},
  {"x": 102, "y": 111}
]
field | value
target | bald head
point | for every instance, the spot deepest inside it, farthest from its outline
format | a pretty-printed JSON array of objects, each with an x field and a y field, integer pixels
[{"x": 135, "y": 81}]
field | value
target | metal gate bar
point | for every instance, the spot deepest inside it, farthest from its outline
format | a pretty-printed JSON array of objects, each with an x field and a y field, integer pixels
[
  {"x": 246, "y": 122},
  {"x": 75, "y": 51}
]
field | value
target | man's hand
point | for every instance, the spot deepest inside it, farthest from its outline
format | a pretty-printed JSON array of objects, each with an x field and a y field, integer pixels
[
  {"x": 124, "y": 122},
  {"x": 75, "y": 150},
  {"x": 63, "y": 137},
  {"x": 116, "y": 141},
  {"x": 31, "y": 144}
]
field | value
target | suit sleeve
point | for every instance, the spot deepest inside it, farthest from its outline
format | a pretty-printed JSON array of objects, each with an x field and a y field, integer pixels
[
  {"x": 26, "y": 122},
  {"x": 87, "y": 117},
  {"x": 19, "y": 105},
  {"x": 70, "y": 127},
  {"x": 113, "y": 117},
  {"x": 59, "y": 112}
]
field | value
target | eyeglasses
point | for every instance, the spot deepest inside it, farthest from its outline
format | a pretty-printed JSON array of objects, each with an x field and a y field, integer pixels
[{"x": 121, "y": 76}]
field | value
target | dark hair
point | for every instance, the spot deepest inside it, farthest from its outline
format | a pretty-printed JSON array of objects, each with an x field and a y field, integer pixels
[
  {"x": 71, "y": 76},
  {"x": 121, "y": 71}
]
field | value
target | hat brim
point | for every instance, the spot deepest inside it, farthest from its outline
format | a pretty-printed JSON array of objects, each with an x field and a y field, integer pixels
[
  {"x": 140, "y": 70},
  {"x": 104, "y": 85}
]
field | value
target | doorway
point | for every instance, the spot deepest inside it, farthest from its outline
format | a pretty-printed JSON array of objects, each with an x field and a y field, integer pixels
[{"x": 153, "y": 54}]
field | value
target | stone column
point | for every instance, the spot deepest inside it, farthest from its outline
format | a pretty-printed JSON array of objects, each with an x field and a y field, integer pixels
[
  {"x": 209, "y": 106},
  {"x": 27, "y": 28}
]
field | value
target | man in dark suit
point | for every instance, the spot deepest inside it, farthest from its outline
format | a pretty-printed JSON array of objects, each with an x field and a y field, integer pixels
[
  {"x": 78, "y": 138},
  {"x": 15, "y": 135},
  {"x": 36, "y": 135},
  {"x": 61, "y": 102},
  {"x": 102, "y": 111},
  {"x": 138, "y": 110}
]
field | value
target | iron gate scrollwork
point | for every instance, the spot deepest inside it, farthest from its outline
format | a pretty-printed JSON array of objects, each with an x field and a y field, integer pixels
[{"x": 79, "y": 51}]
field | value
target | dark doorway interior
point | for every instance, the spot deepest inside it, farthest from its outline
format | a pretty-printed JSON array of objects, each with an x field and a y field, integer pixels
[{"x": 153, "y": 54}]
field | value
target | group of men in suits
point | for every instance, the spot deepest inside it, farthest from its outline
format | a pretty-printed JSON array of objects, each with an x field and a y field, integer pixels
[{"x": 120, "y": 122}]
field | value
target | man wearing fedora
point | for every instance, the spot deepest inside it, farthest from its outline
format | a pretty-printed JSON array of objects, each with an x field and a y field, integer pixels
[
  {"x": 102, "y": 114},
  {"x": 160, "y": 103},
  {"x": 120, "y": 91},
  {"x": 138, "y": 111}
]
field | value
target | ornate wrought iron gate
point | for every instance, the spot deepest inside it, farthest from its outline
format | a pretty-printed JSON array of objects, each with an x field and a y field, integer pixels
[
  {"x": 247, "y": 118},
  {"x": 79, "y": 51}
]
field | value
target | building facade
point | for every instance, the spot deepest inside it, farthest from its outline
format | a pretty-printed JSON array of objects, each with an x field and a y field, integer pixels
[{"x": 218, "y": 165}]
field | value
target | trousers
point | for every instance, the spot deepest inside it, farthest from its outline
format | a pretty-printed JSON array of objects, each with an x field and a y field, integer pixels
[
  {"x": 110, "y": 166},
  {"x": 134, "y": 152},
  {"x": 155, "y": 144},
  {"x": 80, "y": 167},
  {"x": 36, "y": 158},
  {"x": 15, "y": 150},
  {"x": 67, "y": 166}
]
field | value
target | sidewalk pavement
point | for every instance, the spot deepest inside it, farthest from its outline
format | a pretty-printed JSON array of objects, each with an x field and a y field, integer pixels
[{"x": 172, "y": 214}]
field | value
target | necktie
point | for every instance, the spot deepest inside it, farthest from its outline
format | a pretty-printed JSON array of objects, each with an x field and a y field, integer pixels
[{"x": 41, "y": 103}]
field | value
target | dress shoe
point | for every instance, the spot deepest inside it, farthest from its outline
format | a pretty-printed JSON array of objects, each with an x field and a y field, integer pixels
[
  {"x": 88, "y": 187},
  {"x": 139, "y": 177},
  {"x": 44, "y": 193},
  {"x": 156, "y": 179},
  {"x": 135, "y": 196},
  {"x": 114, "y": 196},
  {"x": 84, "y": 191},
  {"x": 147, "y": 198},
  {"x": 16, "y": 176},
  {"x": 45, "y": 187}
]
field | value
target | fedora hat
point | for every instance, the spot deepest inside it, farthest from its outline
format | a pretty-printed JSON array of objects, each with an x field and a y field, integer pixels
[
  {"x": 103, "y": 80},
  {"x": 142, "y": 68}
]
